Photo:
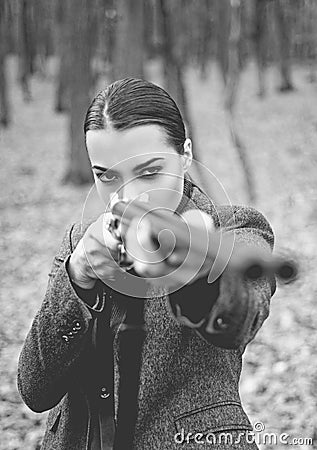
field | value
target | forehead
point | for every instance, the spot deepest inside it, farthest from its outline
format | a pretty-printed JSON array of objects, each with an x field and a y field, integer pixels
[{"x": 130, "y": 147}]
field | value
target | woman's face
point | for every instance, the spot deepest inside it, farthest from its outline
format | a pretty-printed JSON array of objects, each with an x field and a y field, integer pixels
[{"x": 137, "y": 161}]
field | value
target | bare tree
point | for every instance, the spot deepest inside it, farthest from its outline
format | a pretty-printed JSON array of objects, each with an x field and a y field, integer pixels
[
  {"x": 311, "y": 39},
  {"x": 174, "y": 69},
  {"x": 78, "y": 20},
  {"x": 231, "y": 89},
  {"x": 4, "y": 101},
  {"x": 62, "y": 48},
  {"x": 173, "y": 65},
  {"x": 284, "y": 45},
  {"x": 205, "y": 36},
  {"x": 42, "y": 33},
  {"x": 26, "y": 43},
  {"x": 223, "y": 30},
  {"x": 129, "y": 39},
  {"x": 260, "y": 41}
]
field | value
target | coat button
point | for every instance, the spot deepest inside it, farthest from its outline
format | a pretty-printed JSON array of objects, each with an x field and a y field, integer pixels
[
  {"x": 221, "y": 324},
  {"x": 66, "y": 338},
  {"x": 104, "y": 393},
  {"x": 76, "y": 325}
]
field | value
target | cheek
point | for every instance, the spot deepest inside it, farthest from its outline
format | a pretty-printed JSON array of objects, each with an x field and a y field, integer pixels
[{"x": 103, "y": 191}]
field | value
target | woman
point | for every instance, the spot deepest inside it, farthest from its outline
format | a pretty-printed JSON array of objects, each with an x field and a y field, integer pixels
[{"x": 185, "y": 370}]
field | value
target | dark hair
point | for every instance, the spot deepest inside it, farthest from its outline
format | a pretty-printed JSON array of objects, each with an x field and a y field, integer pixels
[{"x": 132, "y": 102}]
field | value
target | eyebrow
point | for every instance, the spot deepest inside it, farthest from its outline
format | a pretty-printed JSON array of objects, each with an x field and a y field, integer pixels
[{"x": 136, "y": 168}]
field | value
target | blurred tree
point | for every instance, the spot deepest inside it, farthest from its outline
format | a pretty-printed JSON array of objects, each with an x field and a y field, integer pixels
[
  {"x": 311, "y": 38},
  {"x": 151, "y": 30},
  {"x": 107, "y": 36},
  {"x": 128, "y": 56},
  {"x": 62, "y": 50},
  {"x": 43, "y": 33},
  {"x": 173, "y": 64},
  {"x": 260, "y": 41},
  {"x": 284, "y": 44},
  {"x": 11, "y": 31},
  {"x": 223, "y": 25},
  {"x": 79, "y": 20},
  {"x": 26, "y": 45},
  {"x": 204, "y": 38},
  {"x": 4, "y": 101},
  {"x": 174, "y": 67},
  {"x": 232, "y": 73},
  {"x": 232, "y": 76},
  {"x": 222, "y": 36}
]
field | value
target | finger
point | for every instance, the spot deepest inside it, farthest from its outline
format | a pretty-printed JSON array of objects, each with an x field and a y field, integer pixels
[
  {"x": 144, "y": 235},
  {"x": 163, "y": 274},
  {"x": 156, "y": 270},
  {"x": 139, "y": 243},
  {"x": 108, "y": 239}
]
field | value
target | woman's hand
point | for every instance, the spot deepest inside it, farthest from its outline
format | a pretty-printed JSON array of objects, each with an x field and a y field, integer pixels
[
  {"x": 169, "y": 267},
  {"x": 95, "y": 256}
]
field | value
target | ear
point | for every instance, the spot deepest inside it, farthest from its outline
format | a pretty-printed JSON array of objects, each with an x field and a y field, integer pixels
[{"x": 187, "y": 156}]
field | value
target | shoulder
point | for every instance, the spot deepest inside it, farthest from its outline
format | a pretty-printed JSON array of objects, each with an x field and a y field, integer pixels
[
  {"x": 240, "y": 216},
  {"x": 230, "y": 216}
]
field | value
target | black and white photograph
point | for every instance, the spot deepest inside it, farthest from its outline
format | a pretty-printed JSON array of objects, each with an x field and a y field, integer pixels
[{"x": 158, "y": 224}]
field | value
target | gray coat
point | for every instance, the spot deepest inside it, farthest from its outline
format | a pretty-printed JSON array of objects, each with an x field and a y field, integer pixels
[{"x": 189, "y": 378}]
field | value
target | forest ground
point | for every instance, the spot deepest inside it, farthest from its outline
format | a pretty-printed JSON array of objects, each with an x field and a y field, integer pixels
[{"x": 279, "y": 379}]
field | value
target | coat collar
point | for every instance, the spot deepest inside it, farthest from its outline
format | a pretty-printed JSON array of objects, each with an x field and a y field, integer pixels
[{"x": 187, "y": 193}]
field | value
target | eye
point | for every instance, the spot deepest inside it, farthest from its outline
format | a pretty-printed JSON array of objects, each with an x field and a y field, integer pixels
[
  {"x": 106, "y": 177},
  {"x": 150, "y": 171}
]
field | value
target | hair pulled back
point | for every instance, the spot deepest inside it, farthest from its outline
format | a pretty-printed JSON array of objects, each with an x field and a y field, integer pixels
[{"x": 134, "y": 102}]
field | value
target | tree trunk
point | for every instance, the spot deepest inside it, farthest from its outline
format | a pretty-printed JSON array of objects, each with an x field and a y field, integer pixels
[
  {"x": 11, "y": 28},
  {"x": 231, "y": 89},
  {"x": 233, "y": 66},
  {"x": 62, "y": 36},
  {"x": 26, "y": 46},
  {"x": 223, "y": 29},
  {"x": 129, "y": 42},
  {"x": 174, "y": 78},
  {"x": 284, "y": 46},
  {"x": 173, "y": 68},
  {"x": 78, "y": 16},
  {"x": 42, "y": 33},
  {"x": 311, "y": 15},
  {"x": 4, "y": 101},
  {"x": 259, "y": 37}
]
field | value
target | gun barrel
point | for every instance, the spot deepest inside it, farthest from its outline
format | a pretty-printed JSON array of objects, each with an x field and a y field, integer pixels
[{"x": 252, "y": 264}]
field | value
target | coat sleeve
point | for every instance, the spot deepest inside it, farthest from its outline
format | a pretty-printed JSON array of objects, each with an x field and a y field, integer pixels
[
  {"x": 60, "y": 332},
  {"x": 229, "y": 312}
]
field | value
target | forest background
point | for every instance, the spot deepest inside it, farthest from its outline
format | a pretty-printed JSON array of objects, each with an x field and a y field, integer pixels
[{"x": 244, "y": 75}]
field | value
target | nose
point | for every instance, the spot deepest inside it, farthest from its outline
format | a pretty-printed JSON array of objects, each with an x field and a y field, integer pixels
[
  {"x": 123, "y": 193},
  {"x": 130, "y": 192}
]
